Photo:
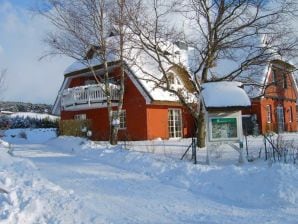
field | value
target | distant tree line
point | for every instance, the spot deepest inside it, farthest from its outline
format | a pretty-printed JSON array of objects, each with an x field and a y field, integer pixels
[
  {"x": 27, "y": 122},
  {"x": 25, "y": 107}
]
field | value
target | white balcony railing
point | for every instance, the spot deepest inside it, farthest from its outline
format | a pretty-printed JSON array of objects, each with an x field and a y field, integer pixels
[{"x": 87, "y": 95}]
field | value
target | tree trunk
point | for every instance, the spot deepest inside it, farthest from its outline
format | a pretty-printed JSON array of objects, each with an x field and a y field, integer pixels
[
  {"x": 114, "y": 135},
  {"x": 201, "y": 132}
]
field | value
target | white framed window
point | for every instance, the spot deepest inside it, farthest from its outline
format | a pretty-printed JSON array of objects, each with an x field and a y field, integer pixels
[
  {"x": 80, "y": 117},
  {"x": 173, "y": 79},
  {"x": 291, "y": 114},
  {"x": 269, "y": 113},
  {"x": 175, "y": 123},
  {"x": 122, "y": 118}
]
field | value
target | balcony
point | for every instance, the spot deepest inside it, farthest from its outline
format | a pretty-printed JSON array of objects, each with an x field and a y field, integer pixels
[{"x": 87, "y": 96}]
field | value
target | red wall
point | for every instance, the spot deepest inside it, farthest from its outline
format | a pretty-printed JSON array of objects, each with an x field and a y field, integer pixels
[
  {"x": 142, "y": 121},
  {"x": 157, "y": 118},
  {"x": 273, "y": 126}
]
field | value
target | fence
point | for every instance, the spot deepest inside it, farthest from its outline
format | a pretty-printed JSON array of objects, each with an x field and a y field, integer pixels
[{"x": 278, "y": 149}]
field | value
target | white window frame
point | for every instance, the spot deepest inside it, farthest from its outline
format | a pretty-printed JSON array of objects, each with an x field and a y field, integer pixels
[
  {"x": 173, "y": 80},
  {"x": 172, "y": 123},
  {"x": 80, "y": 117},
  {"x": 291, "y": 115},
  {"x": 122, "y": 118},
  {"x": 269, "y": 113}
]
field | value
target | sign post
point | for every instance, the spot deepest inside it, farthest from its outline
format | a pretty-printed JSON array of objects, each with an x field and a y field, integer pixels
[{"x": 225, "y": 127}]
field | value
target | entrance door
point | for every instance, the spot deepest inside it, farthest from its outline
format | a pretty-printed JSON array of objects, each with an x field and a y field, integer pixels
[
  {"x": 280, "y": 119},
  {"x": 175, "y": 123}
]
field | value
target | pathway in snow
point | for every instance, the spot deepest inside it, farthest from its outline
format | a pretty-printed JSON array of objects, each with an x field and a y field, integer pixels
[
  {"x": 113, "y": 194},
  {"x": 110, "y": 194}
]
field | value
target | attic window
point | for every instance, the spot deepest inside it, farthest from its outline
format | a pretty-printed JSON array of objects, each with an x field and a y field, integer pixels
[{"x": 173, "y": 80}]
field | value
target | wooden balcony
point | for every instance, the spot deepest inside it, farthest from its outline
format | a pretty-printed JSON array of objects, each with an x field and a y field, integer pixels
[{"x": 87, "y": 96}]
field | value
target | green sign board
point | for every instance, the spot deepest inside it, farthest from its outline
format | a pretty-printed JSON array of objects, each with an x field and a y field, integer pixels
[
  {"x": 223, "y": 128},
  {"x": 223, "y": 120}
]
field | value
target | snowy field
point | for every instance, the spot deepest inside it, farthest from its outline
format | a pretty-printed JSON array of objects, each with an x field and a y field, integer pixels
[{"x": 71, "y": 180}]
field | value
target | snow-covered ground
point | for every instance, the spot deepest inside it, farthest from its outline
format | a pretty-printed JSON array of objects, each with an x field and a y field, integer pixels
[{"x": 71, "y": 180}]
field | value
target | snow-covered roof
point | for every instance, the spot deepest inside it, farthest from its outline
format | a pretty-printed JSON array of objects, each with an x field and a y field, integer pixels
[
  {"x": 143, "y": 67},
  {"x": 224, "y": 94},
  {"x": 34, "y": 115}
]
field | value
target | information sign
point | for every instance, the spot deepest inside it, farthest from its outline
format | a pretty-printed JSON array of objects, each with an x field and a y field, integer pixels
[{"x": 224, "y": 127}]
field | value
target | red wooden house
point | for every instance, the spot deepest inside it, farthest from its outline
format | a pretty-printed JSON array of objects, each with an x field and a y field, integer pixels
[
  {"x": 274, "y": 102},
  {"x": 148, "y": 112}
]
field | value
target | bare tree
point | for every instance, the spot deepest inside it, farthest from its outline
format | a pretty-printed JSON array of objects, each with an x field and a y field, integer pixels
[
  {"x": 243, "y": 34},
  {"x": 83, "y": 26}
]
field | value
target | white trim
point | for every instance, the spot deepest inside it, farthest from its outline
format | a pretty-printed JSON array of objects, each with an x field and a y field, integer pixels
[
  {"x": 180, "y": 119},
  {"x": 234, "y": 115},
  {"x": 57, "y": 105},
  {"x": 269, "y": 68},
  {"x": 268, "y": 112},
  {"x": 87, "y": 107},
  {"x": 138, "y": 86}
]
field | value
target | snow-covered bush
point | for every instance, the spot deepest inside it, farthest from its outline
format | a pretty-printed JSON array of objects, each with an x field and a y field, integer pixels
[
  {"x": 22, "y": 134},
  {"x": 27, "y": 122}
]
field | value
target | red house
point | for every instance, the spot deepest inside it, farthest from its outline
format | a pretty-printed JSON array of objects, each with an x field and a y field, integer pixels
[
  {"x": 148, "y": 112},
  {"x": 274, "y": 102}
]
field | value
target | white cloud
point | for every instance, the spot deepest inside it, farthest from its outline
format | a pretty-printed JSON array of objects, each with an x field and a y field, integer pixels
[{"x": 28, "y": 79}]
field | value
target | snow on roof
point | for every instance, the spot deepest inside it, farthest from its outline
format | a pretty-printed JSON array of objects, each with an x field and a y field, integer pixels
[
  {"x": 34, "y": 115},
  {"x": 224, "y": 94},
  {"x": 143, "y": 67}
]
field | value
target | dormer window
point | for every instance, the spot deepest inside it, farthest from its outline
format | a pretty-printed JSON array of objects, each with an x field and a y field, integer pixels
[{"x": 173, "y": 80}]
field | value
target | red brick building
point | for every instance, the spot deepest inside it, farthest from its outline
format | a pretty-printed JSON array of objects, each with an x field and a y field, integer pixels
[{"x": 274, "y": 104}]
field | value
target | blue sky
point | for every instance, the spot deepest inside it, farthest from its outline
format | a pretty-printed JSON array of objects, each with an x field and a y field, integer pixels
[
  {"x": 27, "y": 79},
  {"x": 23, "y": 3}
]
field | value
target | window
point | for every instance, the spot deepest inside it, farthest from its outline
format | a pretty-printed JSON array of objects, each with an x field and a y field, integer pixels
[
  {"x": 268, "y": 111},
  {"x": 122, "y": 118},
  {"x": 173, "y": 80},
  {"x": 291, "y": 114},
  {"x": 274, "y": 76},
  {"x": 285, "y": 83},
  {"x": 175, "y": 123},
  {"x": 80, "y": 117}
]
